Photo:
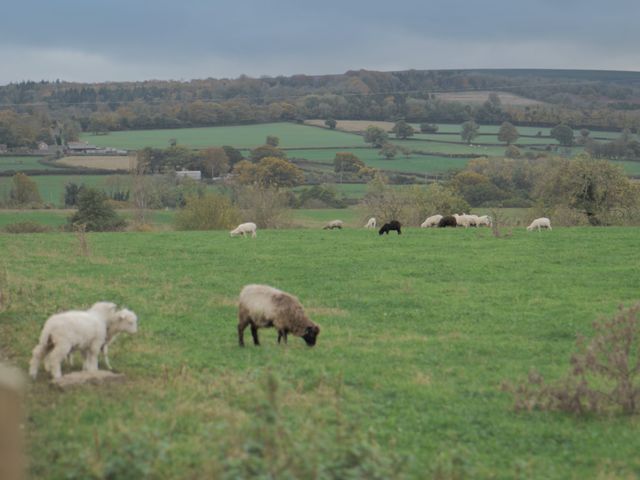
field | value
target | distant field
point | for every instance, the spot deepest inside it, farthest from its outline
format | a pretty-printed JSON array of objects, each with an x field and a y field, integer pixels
[
  {"x": 246, "y": 136},
  {"x": 51, "y": 187},
  {"x": 99, "y": 161},
  {"x": 22, "y": 163},
  {"x": 481, "y": 97}
]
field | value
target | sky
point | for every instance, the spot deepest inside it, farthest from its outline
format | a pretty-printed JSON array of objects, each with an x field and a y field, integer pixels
[{"x": 116, "y": 40}]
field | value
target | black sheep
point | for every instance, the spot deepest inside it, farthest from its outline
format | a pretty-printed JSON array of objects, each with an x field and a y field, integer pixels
[
  {"x": 392, "y": 225},
  {"x": 447, "y": 221}
]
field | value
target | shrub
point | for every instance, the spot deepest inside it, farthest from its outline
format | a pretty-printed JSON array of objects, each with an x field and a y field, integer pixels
[
  {"x": 604, "y": 374},
  {"x": 24, "y": 191},
  {"x": 95, "y": 212},
  {"x": 266, "y": 207},
  {"x": 27, "y": 227},
  {"x": 208, "y": 212}
]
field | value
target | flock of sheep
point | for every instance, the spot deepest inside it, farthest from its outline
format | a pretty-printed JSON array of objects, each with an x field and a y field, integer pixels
[{"x": 91, "y": 331}]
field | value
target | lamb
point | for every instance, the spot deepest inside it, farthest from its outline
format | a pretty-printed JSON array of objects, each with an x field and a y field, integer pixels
[
  {"x": 244, "y": 229},
  {"x": 432, "y": 221},
  {"x": 88, "y": 331},
  {"x": 262, "y": 306},
  {"x": 371, "y": 223},
  {"x": 392, "y": 225},
  {"x": 448, "y": 221},
  {"x": 542, "y": 222},
  {"x": 333, "y": 224},
  {"x": 485, "y": 220}
]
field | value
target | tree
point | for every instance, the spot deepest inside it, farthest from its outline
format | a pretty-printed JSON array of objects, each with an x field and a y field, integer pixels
[
  {"x": 512, "y": 152},
  {"x": 347, "y": 162},
  {"x": 269, "y": 172},
  {"x": 95, "y": 212},
  {"x": 233, "y": 155},
  {"x": 469, "y": 131},
  {"x": 376, "y": 136},
  {"x": 265, "y": 151},
  {"x": 272, "y": 140},
  {"x": 403, "y": 130},
  {"x": 71, "y": 192},
  {"x": 388, "y": 150},
  {"x": 563, "y": 134},
  {"x": 24, "y": 191},
  {"x": 508, "y": 133},
  {"x": 331, "y": 123},
  {"x": 214, "y": 162}
]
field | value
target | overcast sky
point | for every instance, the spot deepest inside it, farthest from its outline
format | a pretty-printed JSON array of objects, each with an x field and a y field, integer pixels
[{"x": 110, "y": 40}]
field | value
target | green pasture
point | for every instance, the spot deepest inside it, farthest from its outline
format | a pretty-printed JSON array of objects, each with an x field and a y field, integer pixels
[
  {"x": 630, "y": 168},
  {"x": 400, "y": 163},
  {"x": 19, "y": 164},
  {"x": 51, "y": 187},
  {"x": 405, "y": 380},
  {"x": 246, "y": 136}
]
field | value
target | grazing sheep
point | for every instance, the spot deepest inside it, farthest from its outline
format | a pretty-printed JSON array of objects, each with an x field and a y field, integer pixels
[
  {"x": 485, "y": 220},
  {"x": 264, "y": 306},
  {"x": 447, "y": 221},
  {"x": 333, "y": 224},
  {"x": 539, "y": 223},
  {"x": 87, "y": 331},
  {"x": 371, "y": 223},
  {"x": 388, "y": 227},
  {"x": 473, "y": 220},
  {"x": 432, "y": 221},
  {"x": 244, "y": 229}
]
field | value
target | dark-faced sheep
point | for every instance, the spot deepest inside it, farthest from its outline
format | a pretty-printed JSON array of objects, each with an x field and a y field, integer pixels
[
  {"x": 388, "y": 227},
  {"x": 262, "y": 306},
  {"x": 447, "y": 221}
]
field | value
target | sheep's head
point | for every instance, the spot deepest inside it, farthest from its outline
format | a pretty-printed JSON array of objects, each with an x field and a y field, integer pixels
[
  {"x": 310, "y": 334},
  {"x": 105, "y": 309},
  {"x": 127, "y": 321}
]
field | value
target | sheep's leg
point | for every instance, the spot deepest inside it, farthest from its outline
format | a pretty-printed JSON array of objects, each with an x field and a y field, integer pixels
[
  {"x": 254, "y": 334},
  {"x": 105, "y": 351},
  {"x": 253, "y": 234},
  {"x": 282, "y": 334},
  {"x": 243, "y": 322},
  {"x": 55, "y": 359},
  {"x": 37, "y": 355},
  {"x": 91, "y": 358}
]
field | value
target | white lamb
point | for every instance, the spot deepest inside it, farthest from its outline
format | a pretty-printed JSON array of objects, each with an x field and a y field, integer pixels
[
  {"x": 462, "y": 220},
  {"x": 542, "y": 222},
  {"x": 244, "y": 229},
  {"x": 432, "y": 221},
  {"x": 484, "y": 220},
  {"x": 87, "y": 331},
  {"x": 371, "y": 223}
]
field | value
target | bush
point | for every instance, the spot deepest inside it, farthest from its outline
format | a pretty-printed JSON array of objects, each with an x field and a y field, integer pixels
[
  {"x": 208, "y": 212},
  {"x": 27, "y": 227},
  {"x": 96, "y": 212},
  {"x": 266, "y": 207},
  {"x": 604, "y": 374}
]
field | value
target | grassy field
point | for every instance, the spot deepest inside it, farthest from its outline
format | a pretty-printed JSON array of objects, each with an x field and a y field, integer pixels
[
  {"x": 51, "y": 187},
  {"x": 405, "y": 379},
  {"x": 22, "y": 163},
  {"x": 107, "y": 162},
  {"x": 246, "y": 136}
]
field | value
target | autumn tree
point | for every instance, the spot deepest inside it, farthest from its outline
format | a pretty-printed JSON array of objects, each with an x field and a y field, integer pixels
[
  {"x": 269, "y": 172},
  {"x": 265, "y": 151},
  {"x": 272, "y": 140},
  {"x": 24, "y": 191},
  {"x": 469, "y": 131},
  {"x": 214, "y": 162},
  {"x": 388, "y": 151},
  {"x": 347, "y": 162},
  {"x": 233, "y": 154},
  {"x": 508, "y": 133},
  {"x": 376, "y": 136}
]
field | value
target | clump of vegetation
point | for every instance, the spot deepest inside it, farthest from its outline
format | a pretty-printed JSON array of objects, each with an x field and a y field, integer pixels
[
  {"x": 24, "y": 192},
  {"x": 27, "y": 227},
  {"x": 604, "y": 374},
  {"x": 95, "y": 212},
  {"x": 267, "y": 207},
  {"x": 208, "y": 212}
]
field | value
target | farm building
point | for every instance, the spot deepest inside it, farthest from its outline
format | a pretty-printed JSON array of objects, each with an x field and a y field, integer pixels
[
  {"x": 194, "y": 174},
  {"x": 80, "y": 148}
]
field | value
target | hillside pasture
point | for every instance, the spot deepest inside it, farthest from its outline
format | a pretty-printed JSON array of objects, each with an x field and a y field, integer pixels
[
  {"x": 479, "y": 97},
  {"x": 414, "y": 348},
  {"x": 245, "y": 136},
  {"x": 51, "y": 187}
]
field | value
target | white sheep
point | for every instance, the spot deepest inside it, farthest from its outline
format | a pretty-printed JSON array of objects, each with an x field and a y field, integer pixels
[
  {"x": 462, "y": 220},
  {"x": 542, "y": 222},
  {"x": 473, "y": 220},
  {"x": 485, "y": 220},
  {"x": 244, "y": 229},
  {"x": 87, "y": 331},
  {"x": 371, "y": 223},
  {"x": 333, "y": 224},
  {"x": 432, "y": 221}
]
